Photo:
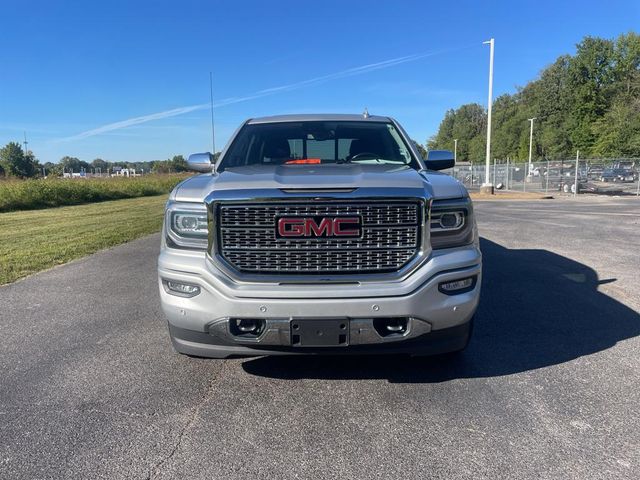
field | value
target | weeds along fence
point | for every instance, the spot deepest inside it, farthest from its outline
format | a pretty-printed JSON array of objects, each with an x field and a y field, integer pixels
[
  {"x": 54, "y": 192},
  {"x": 553, "y": 176}
]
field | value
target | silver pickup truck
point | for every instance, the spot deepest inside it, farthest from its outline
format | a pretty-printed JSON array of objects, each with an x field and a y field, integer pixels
[{"x": 319, "y": 234}]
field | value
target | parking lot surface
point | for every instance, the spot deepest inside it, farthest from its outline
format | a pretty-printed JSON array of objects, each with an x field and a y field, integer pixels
[{"x": 548, "y": 388}]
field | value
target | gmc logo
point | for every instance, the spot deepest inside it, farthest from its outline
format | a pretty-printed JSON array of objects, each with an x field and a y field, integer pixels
[{"x": 289, "y": 227}]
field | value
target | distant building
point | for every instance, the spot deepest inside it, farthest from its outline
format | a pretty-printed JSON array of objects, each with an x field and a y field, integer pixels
[{"x": 124, "y": 172}]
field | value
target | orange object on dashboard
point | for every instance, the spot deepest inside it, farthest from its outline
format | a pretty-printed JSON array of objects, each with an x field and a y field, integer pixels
[{"x": 300, "y": 161}]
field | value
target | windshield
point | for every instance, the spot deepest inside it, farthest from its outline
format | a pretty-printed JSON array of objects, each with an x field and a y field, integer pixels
[{"x": 292, "y": 143}]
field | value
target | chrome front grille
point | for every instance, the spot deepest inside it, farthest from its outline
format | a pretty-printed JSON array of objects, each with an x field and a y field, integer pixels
[
  {"x": 372, "y": 214},
  {"x": 247, "y": 239}
]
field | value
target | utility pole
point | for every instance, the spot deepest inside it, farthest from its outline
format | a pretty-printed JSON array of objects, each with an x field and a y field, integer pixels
[
  {"x": 487, "y": 187},
  {"x": 25, "y": 143},
  {"x": 455, "y": 149}
]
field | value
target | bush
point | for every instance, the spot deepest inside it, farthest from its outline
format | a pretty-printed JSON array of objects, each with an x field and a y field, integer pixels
[{"x": 55, "y": 192}]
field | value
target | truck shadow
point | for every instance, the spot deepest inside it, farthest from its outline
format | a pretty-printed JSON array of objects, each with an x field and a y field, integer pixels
[{"x": 537, "y": 309}]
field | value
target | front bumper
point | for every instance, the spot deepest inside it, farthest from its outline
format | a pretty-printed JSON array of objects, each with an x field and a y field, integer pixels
[{"x": 436, "y": 321}]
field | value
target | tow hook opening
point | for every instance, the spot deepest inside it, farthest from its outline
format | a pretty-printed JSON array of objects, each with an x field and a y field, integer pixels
[
  {"x": 387, "y": 327},
  {"x": 246, "y": 327}
]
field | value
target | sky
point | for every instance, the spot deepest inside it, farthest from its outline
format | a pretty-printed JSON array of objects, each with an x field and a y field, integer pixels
[{"x": 129, "y": 80}]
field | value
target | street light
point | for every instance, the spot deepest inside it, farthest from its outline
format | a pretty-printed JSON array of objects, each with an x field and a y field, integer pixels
[
  {"x": 487, "y": 187},
  {"x": 455, "y": 149}
]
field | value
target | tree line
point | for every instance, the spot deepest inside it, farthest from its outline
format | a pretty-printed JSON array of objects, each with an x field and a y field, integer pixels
[
  {"x": 15, "y": 162},
  {"x": 589, "y": 101}
]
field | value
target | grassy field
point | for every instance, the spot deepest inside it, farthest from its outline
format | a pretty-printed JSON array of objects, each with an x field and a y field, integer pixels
[
  {"x": 31, "y": 241},
  {"x": 56, "y": 192}
]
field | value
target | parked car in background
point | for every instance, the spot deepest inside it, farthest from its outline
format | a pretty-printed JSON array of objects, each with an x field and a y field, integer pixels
[
  {"x": 617, "y": 175},
  {"x": 624, "y": 165},
  {"x": 595, "y": 171},
  {"x": 563, "y": 179}
]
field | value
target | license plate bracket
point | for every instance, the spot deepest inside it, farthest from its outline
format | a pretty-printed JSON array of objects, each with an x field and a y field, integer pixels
[{"x": 325, "y": 332}]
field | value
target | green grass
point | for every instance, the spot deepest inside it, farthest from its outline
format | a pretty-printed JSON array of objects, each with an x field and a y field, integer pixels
[
  {"x": 56, "y": 192},
  {"x": 31, "y": 241}
]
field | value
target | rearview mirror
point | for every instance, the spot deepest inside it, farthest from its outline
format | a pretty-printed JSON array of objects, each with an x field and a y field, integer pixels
[
  {"x": 200, "y": 162},
  {"x": 439, "y": 159}
]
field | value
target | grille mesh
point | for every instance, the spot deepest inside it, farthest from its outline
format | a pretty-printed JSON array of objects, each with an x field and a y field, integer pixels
[
  {"x": 263, "y": 215},
  {"x": 321, "y": 261},
  {"x": 259, "y": 238},
  {"x": 247, "y": 238}
]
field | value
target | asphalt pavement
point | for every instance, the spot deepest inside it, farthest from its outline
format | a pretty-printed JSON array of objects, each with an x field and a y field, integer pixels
[{"x": 548, "y": 388}]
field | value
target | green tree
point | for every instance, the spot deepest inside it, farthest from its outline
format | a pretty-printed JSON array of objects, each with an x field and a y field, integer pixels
[
  {"x": 617, "y": 133},
  {"x": 587, "y": 101},
  {"x": 100, "y": 164},
  {"x": 52, "y": 169},
  {"x": 15, "y": 162},
  {"x": 627, "y": 64},
  {"x": 420, "y": 148},
  {"x": 464, "y": 124},
  {"x": 178, "y": 163},
  {"x": 73, "y": 164}
]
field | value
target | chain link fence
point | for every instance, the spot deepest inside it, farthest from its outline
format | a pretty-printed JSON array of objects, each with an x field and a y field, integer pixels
[{"x": 555, "y": 176}]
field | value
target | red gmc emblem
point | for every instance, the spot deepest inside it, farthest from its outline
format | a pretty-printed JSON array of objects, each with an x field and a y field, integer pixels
[{"x": 291, "y": 227}]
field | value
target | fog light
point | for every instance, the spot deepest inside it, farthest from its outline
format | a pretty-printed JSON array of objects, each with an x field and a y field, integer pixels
[
  {"x": 457, "y": 286},
  {"x": 182, "y": 289}
]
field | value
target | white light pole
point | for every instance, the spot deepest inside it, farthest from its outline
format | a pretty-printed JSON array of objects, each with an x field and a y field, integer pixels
[
  {"x": 575, "y": 180},
  {"x": 487, "y": 186},
  {"x": 455, "y": 149},
  {"x": 531, "y": 140}
]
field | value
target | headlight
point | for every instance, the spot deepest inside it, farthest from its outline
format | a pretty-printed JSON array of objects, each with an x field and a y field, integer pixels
[
  {"x": 451, "y": 223},
  {"x": 186, "y": 225},
  {"x": 189, "y": 224}
]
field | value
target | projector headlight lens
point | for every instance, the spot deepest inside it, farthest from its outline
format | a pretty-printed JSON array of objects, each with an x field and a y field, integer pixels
[
  {"x": 451, "y": 220},
  {"x": 451, "y": 223}
]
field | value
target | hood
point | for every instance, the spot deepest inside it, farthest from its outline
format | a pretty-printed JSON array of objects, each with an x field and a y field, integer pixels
[
  {"x": 444, "y": 186},
  {"x": 319, "y": 176},
  {"x": 401, "y": 180}
]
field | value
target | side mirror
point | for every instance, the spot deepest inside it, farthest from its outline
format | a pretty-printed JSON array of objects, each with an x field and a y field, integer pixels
[
  {"x": 440, "y": 159},
  {"x": 200, "y": 162}
]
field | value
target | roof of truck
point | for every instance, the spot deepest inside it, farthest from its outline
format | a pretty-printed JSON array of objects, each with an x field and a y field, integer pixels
[{"x": 319, "y": 117}]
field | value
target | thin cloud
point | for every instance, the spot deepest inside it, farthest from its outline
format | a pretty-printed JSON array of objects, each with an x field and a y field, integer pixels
[
  {"x": 360, "y": 70},
  {"x": 135, "y": 121}
]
